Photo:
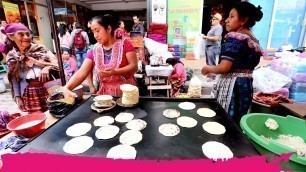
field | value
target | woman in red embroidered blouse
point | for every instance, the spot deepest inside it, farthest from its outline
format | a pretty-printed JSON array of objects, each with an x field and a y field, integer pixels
[
  {"x": 113, "y": 60},
  {"x": 120, "y": 31}
]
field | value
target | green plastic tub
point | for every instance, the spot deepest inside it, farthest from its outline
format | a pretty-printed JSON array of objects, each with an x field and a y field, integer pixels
[{"x": 253, "y": 125}]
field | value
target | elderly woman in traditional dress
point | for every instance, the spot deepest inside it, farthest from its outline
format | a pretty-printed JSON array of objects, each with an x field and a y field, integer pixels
[
  {"x": 113, "y": 60},
  {"x": 29, "y": 66}
]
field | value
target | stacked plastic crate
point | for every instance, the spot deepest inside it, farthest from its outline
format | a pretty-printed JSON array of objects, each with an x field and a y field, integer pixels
[
  {"x": 298, "y": 86},
  {"x": 295, "y": 68}
]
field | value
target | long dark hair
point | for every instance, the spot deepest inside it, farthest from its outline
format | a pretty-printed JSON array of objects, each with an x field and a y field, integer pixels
[
  {"x": 62, "y": 29},
  {"x": 173, "y": 61},
  {"x": 105, "y": 21},
  {"x": 248, "y": 10}
]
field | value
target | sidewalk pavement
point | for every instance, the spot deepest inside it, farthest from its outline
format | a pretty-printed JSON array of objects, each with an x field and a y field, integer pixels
[{"x": 7, "y": 102}]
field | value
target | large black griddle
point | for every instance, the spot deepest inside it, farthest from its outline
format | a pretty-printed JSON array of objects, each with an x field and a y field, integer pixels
[{"x": 186, "y": 145}]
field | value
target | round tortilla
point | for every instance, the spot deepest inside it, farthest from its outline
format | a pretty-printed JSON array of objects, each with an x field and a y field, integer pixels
[
  {"x": 136, "y": 124},
  {"x": 185, "y": 121},
  {"x": 124, "y": 117},
  {"x": 215, "y": 150},
  {"x": 187, "y": 105},
  {"x": 206, "y": 112},
  {"x": 78, "y": 145},
  {"x": 171, "y": 113},
  {"x": 104, "y": 121},
  {"x": 214, "y": 128},
  {"x": 169, "y": 129},
  {"x": 107, "y": 132},
  {"x": 78, "y": 129},
  {"x": 122, "y": 152},
  {"x": 130, "y": 137}
]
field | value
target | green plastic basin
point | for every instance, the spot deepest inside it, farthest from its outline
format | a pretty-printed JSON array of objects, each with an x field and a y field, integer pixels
[{"x": 253, "y": 125}]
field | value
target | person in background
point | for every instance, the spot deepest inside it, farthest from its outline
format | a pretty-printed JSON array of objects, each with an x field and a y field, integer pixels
[
  {"x": 178, "y": 77},
  {"x": 137, "y": 27},
  {"x": 64, "y": 38},
  {"x": 79, "y": 41},
  {"x": 213, "y": 42},
  {"x": 69, "y": 64},
  {"x": 2, "y": 35},
  {"x": 120, "y": 31},
  {"x": 29, "y": 67},
  {"x": 240, "y": 54},
  {"x": 92, "y": 40},
  {"x": 113, "y": 60}
]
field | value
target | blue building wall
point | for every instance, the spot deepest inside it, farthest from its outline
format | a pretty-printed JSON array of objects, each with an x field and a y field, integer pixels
[{"x": 287, "y": 22}]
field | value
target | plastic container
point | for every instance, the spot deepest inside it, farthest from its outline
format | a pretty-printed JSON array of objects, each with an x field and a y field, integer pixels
[
  {"x": 299, "y": 77},
  {"x": 298, "y": 97},
  {"x": 253, "y": 126},
  {"x": 298, "y": 88},
  {"x": 28, "y": 125}
]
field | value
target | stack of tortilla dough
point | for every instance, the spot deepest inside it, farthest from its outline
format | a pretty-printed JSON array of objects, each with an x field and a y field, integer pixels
[{"x": 130, "y": 94}]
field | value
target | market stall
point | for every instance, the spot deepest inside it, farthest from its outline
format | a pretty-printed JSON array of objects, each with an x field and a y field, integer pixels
[{"x": 186, "y": 145}]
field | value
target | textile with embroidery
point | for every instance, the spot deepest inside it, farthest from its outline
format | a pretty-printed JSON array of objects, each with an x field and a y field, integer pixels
[{"x": 110, "y": 85}]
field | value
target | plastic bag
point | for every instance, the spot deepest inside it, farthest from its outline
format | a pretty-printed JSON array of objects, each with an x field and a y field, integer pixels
[
  {"x": 195, "y": 88},
  {"x": 268, "y": 81},
  {"x": 57, "y": 107}
]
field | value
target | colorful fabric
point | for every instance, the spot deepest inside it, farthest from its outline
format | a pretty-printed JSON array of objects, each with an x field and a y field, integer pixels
[
  {"x": 242, "y": 50},
  {"x": 127, "y": 47},
  {"x": 13, "y": 27},
  {"x": 176, "y": 86},
  {"x": 110, "y": 85},
  {"x": 120, "y": 33},
  {"x": 15, "y": 59},
  {"x": 35, "y": 97},
  {"x": 224, "y": 88},
  {"x": 241, "y": 98},
  {"x": 179, "y": 72}
]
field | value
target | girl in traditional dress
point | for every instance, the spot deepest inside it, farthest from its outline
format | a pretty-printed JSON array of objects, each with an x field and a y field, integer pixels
[
  {"x": 120, "y": 32},
  {"x": 178, "y": 77},
  {"x": 240, "y": 54},
  {"x": 113, "y": 60}
]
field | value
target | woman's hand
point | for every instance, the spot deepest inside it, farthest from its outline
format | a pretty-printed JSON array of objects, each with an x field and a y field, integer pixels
[
  {"x": 68, "y": 93},
  {"x": 204, "y": 71},
  {"x": 44, "y": 74},
  {"x": 21, "y": 104},
  {"x": 92, "y": 90},
  {"x": 108, "y": 72}
]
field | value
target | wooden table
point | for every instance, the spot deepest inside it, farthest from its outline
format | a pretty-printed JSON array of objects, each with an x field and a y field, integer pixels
[{"x": 295, "y": 108}]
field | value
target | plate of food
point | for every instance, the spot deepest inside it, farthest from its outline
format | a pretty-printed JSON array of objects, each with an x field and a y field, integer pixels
[{"x": 95, "y": 106}]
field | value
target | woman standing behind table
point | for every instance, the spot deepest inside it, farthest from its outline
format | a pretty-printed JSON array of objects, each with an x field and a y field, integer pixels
[
  {"x": 64, "y": 38},
  {"x": 114, "y": 61},
  {"x": 120, "y": 31},
  {"x": 29, "y": 66},
  {"x": 239, "y": 56},
  {"x": 178, "y": 77}
]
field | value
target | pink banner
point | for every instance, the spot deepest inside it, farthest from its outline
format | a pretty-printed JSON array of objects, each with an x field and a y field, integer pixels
[{"x": 49, "y": 162}]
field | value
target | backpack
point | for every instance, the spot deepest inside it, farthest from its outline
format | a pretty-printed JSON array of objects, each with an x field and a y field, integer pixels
[{"x": 79, "y": 41}]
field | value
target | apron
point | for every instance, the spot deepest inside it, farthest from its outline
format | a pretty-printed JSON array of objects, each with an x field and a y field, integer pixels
[
  {"x": 110, "y": 85},
  {"x": 223, "y": 90}
]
